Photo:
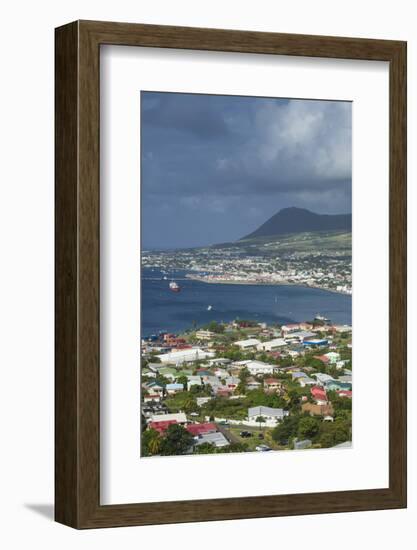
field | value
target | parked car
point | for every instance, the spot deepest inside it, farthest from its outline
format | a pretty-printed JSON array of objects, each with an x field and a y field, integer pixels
[
  {"x": 245, "y": 434},
  {"x": 263, "y": 448},
  {"x": 261, "y": 436}
]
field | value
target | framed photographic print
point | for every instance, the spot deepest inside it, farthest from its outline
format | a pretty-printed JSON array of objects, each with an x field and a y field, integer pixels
[{"x": 230, "y": 274}]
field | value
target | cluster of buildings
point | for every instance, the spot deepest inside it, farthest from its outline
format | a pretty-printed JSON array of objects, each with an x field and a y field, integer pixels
[
  {"x": 268, "y": 263},
  {"x": 202, "y": 366}
]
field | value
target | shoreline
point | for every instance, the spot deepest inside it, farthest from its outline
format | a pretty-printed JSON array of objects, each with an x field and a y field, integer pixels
[{"x": 244, "y": 282}]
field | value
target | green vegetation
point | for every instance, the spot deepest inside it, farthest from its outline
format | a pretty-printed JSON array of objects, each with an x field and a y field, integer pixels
[{"x": 176, "y": 441}]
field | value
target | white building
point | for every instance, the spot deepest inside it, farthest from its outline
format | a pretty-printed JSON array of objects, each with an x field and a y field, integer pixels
[
  {"x": 178, "y": 417},
  {"x": 248, "y": 344},
  {"x": 272, "y": 416},
  {"x": 204, "y": 335},
  {"x": 259, "y": 367},
  {"x": 184, "y": 356},
  {"x": 322, "y": 378},
  {"x": 333, "y": 357},
  {"x": 272, "y": 345}
]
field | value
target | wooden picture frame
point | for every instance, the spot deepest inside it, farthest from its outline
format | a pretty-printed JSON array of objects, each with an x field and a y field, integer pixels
[{"x": 77, "y": 405}]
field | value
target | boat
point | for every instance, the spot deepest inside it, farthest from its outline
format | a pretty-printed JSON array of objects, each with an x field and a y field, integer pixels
[
  {"x": 165, "y": 278},
  {"x": 209, "y": 308},
  {"x": 174, "y": 287}
]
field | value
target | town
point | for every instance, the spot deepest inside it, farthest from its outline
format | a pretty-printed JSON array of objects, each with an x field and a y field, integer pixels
[
  {"x": 318, "y": 260},
  {"x": 246, "y": 386}
]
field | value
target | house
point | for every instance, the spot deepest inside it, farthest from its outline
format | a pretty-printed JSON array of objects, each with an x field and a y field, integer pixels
[
  {"x": 148, "y": 373},
  {"x": 319, "y": 395},
  {"x": 286, "y": 329},
  {"x": 172, "y": 389},
  {"x": 214, "y": 438},
  {"x": 338, "y": 385},
  {"x": 344, "y": 393},
  {"x": 341, "y": 329},
  {"x": 155, "y": 397},
  {"x": 272, "y": 385},
  {"x": 259, "y": 367},
  {"x": 155, "y": 366},
  {"x": 251, "y": 343},
  {"x": 317, "y": 410},
  {"x": 184, "y": 372},
  {"x": 306, "y": 381},
  {"x": 222, "y": 391},
  {"x": 272, "y": 416},
  {"x": 241, "y": 364},
  {"x": 213, "y": 381},
  {"x": 221, "y": 373},
  {"x": 219, "y": 361},
  {"x": 184, "y": 356},
  {"x": 180, "y": 418},
  {"x": 298, "y": 374},
  {"x": 322, "y": 378},
  {"x": 299, "y": 336},
  {"x": 153, "y": 387},
  {"x": 203, "y": 372},
  {"x": 161, "y": 425},
  {"x": 203, "y": 428},
  {"x": 232, "y": 382},
  {"x": 332, "y": 356},
  {"x": 169, "y": 373},
  {"x": 204, "y": 335},
  {"x": 271, "y": 345},
  {"x": 194, "y": 381},
  {"x": 252, "y": 384}
]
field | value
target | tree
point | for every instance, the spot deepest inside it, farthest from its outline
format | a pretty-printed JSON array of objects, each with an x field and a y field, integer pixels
[
  {"x": 308, "y": 427},
  {"x": 151, "y": 442},
  {"x": 260, "y": 420},
  {"x": 286, "y": 430},
  {"x": 183, "y": 380},
  {"x": 177, "y": 441}
]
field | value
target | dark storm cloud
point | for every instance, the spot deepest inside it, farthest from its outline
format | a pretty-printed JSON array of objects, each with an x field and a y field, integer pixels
[{"x": 215, "y": 167}]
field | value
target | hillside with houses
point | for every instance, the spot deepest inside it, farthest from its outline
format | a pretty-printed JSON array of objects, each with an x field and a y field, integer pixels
[{"x": 246, "y": 386}]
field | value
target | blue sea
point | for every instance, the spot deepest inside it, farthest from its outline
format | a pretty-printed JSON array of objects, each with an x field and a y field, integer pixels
[{"x": 175, "y": 312}]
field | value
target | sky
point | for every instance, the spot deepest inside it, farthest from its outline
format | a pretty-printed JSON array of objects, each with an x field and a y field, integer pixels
[{"x": 214, "y": 168}]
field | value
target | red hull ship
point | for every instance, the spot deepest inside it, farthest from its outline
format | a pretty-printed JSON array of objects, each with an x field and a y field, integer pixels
[{"x": 174, "y": 287}]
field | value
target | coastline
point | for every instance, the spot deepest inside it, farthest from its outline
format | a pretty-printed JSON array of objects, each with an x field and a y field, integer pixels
[{"x": 244, "y": 282}]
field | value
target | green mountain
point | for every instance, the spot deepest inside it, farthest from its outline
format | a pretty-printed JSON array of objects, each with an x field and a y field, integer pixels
[{"x": 299, "y": 220}]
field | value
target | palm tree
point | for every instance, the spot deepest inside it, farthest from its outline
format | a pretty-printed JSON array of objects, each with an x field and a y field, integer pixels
[{"x": 261, "y": 420}]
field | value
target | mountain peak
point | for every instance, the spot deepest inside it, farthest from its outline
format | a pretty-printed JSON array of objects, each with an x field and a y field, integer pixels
[{"x": 299, "y": 220}]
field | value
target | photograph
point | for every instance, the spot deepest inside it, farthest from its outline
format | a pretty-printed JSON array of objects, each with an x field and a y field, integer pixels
[{"x": 246, "y": 274}]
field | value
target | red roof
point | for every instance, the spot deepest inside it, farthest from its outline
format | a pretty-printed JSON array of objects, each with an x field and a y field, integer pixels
[
  {"x": 322, "y": 358},
  {"x": 271, "y": 381},
  {"x": 318, "y": 393},
  {"x": 204, "y": 428},
  {"x": 161, "y": 425},
  {"x": 344, "y": 393}
]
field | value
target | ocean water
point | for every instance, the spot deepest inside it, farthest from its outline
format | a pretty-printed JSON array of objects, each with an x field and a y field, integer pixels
[{"x": 175, "y": 312}]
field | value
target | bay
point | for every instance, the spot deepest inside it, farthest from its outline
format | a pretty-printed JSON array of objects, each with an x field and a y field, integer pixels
[{"x": 179, "y": 311}]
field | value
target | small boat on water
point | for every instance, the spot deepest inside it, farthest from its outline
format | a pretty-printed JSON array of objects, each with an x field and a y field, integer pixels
[
  {"x": 209, "y": 308},
  {"x": 174, "y": 287},
  {"x": 165, "y": 278}
]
